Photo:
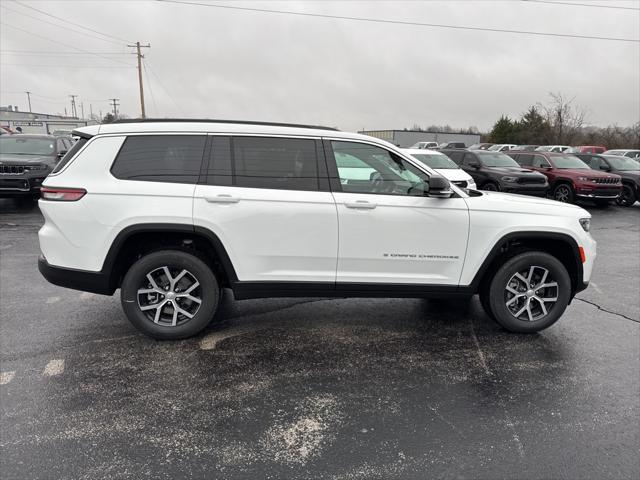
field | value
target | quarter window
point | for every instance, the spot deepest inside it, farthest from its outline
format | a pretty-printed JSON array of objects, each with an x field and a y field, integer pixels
[
  {"x": 365, "y": 168},
  {"x": 160, "y": 158}
]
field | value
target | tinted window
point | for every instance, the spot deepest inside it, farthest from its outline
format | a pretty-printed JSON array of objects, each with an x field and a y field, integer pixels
[
  {"x": 160, "y": 158},
  {"x": 455, "y": 156},
  {"x": 365, "y": 168},
  {"x": 277, "y": 163},
  {"x": 496, "y": 159},
  {"x": 539, "y": 161},
  {"x": 524, "y": 159},
  {"x": 70, "y": 154},
  {"x": 470, "y": 159},
  {"x": 220, "y": 170}
]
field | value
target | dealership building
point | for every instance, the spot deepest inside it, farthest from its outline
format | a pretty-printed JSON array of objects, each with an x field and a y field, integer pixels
[
  {"x": 42, "y": 123},
  {"x": 407, "y": 138}
]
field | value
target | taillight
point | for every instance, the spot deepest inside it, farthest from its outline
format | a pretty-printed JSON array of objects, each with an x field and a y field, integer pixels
[{"x": 62, "y": 194}]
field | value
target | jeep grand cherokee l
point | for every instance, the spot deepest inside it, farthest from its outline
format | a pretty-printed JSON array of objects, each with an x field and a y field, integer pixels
[
  {"x": 170, "y": 212},
  {"x": 495, "y": 171},
  {"x": 25, "y": 161},
  {"x": 570, "y": 178},
  {"x": 627, "y": 168}
]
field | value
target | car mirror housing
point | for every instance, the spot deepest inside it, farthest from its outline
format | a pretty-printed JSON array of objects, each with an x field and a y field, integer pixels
[{"x": 439, "y": 187}]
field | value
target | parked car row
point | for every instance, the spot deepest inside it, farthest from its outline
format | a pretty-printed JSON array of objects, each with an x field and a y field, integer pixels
[{"x": 601, "y": 179}]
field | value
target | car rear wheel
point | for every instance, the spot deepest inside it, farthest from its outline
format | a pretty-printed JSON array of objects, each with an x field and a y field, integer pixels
[
  {"x": 563, "y": 193},
  {"x": 529, "y": 292},
  {"x": 170, "y": 294},
  {"x": 627, "y": 197}
]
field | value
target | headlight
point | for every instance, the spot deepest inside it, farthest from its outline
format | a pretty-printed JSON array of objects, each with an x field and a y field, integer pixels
[
  {"x": 587, "y": 179},
  {"x": 510, "y": 179},
  {"x": 472, "y": 185},
  {"x": 36, "y": 167},
  {"x": 585, "y": 223}
]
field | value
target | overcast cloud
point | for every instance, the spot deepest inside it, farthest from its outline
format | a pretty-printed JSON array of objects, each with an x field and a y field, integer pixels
[{"x": 220, "y": 63}]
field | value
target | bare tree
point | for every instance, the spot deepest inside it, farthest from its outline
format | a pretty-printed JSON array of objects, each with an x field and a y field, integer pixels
[{"x": 565, "y": 119}]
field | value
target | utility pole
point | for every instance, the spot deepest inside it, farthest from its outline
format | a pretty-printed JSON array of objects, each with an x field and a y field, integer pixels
[
  {"x": 91, "y": 111},
  {"x": 115, "y": 107},
  {"x": 73, "y": 105},
  {"x": 82, "y": 109},
  {"x": 140, "y": 57},
  {"x": 29, "y": 100}
]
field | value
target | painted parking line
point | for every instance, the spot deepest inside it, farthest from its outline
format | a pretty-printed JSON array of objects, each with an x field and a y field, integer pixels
[
  {"x": 53, "y": 368},
  {"x": 6, "y": 377}
]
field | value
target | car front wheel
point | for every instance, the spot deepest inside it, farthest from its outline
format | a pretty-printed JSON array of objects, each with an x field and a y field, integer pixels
[
  {"x": 529, "y": 292},
  {"x": 627, "y": 197},
  {"x": 170, "y": 294},
  {"x": 563, "y": 193}
]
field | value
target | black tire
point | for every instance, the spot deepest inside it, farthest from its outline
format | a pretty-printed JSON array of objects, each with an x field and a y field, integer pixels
[
  {"x": 499, "y": 296},
  {"x": 563, "y": 192},
  {"x": 628, "y": 196},
  {"x": 491, "y": 187},
  {"x": 207, "y": 291}
]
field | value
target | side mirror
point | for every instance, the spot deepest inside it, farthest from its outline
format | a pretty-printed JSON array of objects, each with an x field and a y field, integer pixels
[
  {"x": 439, "y": 187},
  {"x": 475, "y": 165},
  {"x": 61, "y": 154},
  {"x": 606, "y": 168}
]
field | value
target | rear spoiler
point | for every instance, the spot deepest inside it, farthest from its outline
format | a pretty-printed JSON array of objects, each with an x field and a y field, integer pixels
[{"x": 76, "y": 133}]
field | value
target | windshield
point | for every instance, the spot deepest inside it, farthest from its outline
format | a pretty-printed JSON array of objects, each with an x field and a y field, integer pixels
[
  {"x": 496, "y": 160},
  {"x": 17, "y": 145},
  {"x": 569, "y": 161},
  {"x": 623, "y": 163},
  {"x": 435, "y": 161}
]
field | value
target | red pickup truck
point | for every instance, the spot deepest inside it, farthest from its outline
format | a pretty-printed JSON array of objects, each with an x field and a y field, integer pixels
[{"x": 570, "y": 178}]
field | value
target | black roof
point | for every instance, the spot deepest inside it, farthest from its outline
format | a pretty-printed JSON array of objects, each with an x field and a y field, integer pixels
[{"x": 209, "y": 120}]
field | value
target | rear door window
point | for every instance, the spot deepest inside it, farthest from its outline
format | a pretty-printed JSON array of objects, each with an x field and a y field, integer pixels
[
  {"x": 539, "y": 161},
  {"x": 160, "y": 158}
]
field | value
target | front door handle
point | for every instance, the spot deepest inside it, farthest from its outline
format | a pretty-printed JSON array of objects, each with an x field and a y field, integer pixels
[
  {"x": 361, "y": 204},
  {"x": 222, "y": 198}
]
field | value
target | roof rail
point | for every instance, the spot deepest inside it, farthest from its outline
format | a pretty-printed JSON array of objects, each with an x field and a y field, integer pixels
[{"x": 209, "y": 120}]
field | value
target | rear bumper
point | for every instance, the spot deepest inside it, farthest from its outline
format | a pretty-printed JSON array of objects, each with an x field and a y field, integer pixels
[{"x": 94, "y": 282}]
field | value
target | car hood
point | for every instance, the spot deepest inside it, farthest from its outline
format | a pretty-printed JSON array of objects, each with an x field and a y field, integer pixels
[
  {"x": 454, "y": 174},
  {"x": 512, "y": 171},
  {"x": 631, "y": 174},
  {"x": 513, "y": 203},
  {"x": 11, "y": 159}
]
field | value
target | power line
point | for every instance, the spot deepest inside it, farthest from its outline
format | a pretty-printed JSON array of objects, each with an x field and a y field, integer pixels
[
  {"x": 58, "y": 25},
  {"x": 400, "y": 22},
  {"x": 617, "y": 7},
  {"x": 47, "y": 53},
  {"x": 60, "y": 66},
  {"x": 165, "y": 90},
  {"x": 72, "y": 23},
  {"x": 61, "y": 43}
]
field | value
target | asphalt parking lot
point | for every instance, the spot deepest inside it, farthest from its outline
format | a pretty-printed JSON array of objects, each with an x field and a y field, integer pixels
[{"x": 315, "y": 388}]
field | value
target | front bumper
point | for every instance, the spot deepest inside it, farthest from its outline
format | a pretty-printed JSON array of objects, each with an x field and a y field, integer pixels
[
  {"x": 531, "y": 190},
  {"x": 608, "y": 193},
  {"x": 17, "y": 185}
]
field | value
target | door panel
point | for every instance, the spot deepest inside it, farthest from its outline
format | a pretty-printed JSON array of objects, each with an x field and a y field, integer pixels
[
  {"x": 390, "y": 232},
  {"x": 401, "y": 239}
]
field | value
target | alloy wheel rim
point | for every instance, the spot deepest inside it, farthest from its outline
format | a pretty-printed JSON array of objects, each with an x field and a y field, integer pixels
[
  {"x": 531, "y": 294},
  {"x": 169, "y": 296},
  {"x": 562, "y": 194}
]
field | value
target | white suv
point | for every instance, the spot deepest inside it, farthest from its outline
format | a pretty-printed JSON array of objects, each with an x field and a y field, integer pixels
[{"x": 170, "y": 212}]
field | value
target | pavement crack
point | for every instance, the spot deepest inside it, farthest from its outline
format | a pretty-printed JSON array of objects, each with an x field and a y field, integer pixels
[{"x": 607, "y": 311}]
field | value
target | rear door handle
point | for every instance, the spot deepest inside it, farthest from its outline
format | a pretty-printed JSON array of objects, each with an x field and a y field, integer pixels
[
  {"x": 222, "y": 198},
  {"x": 361, "y": 204}
]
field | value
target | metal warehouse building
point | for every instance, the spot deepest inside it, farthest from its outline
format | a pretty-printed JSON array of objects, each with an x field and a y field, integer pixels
[{"x": 407, "y": 138}]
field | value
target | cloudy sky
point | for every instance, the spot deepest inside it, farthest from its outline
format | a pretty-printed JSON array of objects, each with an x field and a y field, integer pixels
[{"x": 209, "y": 62}]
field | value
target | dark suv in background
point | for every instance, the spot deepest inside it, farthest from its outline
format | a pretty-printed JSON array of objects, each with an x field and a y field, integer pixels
[
  {"x": 570, "y": 178},
  {"x": 627, "y": 168},
  {"x": 26, "y": 160},
  {"x": 496, "y": 171}
]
